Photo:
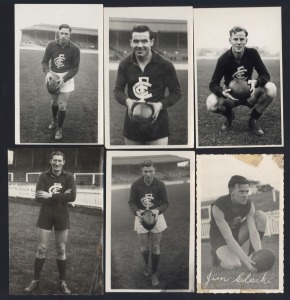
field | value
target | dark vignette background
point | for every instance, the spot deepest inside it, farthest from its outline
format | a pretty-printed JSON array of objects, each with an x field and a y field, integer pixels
[{"x": 7, "y": 133}]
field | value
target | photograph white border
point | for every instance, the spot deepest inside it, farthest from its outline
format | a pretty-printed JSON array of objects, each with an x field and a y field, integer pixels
[
  {"x": 218, "y": 11},
  {"x": 98, "y": 21},
  {"x": 200, "y": 194},
  {"x": 192, "y": 256},
  {"x": 166, "y": 13}
]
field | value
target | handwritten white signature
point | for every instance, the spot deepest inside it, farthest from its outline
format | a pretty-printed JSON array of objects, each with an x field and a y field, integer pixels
[{"x": 241, "y": 278}]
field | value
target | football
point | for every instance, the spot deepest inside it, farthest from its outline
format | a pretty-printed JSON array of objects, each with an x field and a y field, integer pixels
[
  {"x": 240, "y": 89},
  {"x": 264, "y": 259},
  {"x": 142, "y": 112},
  {"x": 148, "y": 219},
  {"x": 52, "y": 86}
]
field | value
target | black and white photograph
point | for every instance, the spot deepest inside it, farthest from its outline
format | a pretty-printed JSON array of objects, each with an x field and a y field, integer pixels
[
  {"x": 148, "y": 77},
  {"x": 238, "y": 77},
  {"x": 150, "y": 220},
  {"x": 55, "y": 198},
  {"x": 240, "y": 223},
  {"x": 58, "y": 74}
]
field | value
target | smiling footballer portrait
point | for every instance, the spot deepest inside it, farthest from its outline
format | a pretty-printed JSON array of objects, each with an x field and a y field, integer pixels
[{"x": 147, "y": 74}]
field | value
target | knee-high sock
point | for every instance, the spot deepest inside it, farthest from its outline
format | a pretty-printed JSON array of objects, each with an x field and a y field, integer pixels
[
  {"x": 38, "y": 264},
  {"x": 146, "y": 256},
  {"x": 251, "y": 249},
  {"x": 60, "y": 118},
  {"x": 61, "y": 266},
  {"x": 54, "y": 109},
  {"x": 155, "y": 260},
  {"x": 255, "y": 114}
]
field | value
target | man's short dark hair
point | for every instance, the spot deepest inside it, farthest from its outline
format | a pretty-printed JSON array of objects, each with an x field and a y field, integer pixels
[
  {"x": 237, "y": 179},
  {"x": 64, "y": 26},
  {"x": 236, "y": 29},
  {"x": 142, "y": 28},
  {"x": 57, "y": 153},
  {"x": 147, "y": 163}
]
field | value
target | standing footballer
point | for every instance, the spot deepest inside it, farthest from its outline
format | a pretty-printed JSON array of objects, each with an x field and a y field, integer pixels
[
  {"x": 149, "y": 193},
  {"x": 61, "y": 63},
  {"x": 239, "y": 63},
  {"x": 55, "y": 188},
  {"x": 147, "y": 75}
]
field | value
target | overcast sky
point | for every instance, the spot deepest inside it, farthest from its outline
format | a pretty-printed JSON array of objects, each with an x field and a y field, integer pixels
[
  {"x": 214, "y": 172},
  {"x": 212, "y": 26}
]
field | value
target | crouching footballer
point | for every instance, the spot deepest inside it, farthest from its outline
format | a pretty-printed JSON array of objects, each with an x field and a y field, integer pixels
[
  {"x": 149, "y": 193},
  {"x": 55, "y": 188},
  {"x": 234, "y": 220}
]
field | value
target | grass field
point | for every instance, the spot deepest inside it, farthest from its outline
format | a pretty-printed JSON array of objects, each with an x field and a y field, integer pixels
[
  {"x": 272, "y": 276},
  {"x": 126, "y": 260},
  {"x": 178, "y": 114},
  {"x": 209, "y": 124},
  {"x": 81, "y": 250},
  {"x": 81, "y": 123}
]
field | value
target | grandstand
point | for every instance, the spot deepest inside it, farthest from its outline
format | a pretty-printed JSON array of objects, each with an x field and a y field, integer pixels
[
  {"x": 85, "y": 163},
  {"x": 41, "y": 34},
  {"x": 170, "y": 38},
  {"x": 127, "y": 169}
]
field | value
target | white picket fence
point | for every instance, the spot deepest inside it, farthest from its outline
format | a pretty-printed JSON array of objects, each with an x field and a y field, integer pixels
[
  {"x": 85, "y": 197},
  {"x": 271, "y": 229}
]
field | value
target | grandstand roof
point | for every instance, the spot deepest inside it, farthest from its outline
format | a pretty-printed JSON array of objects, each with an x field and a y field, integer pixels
[
  {"x": 54, "y": 28},
  {"x": 121, "y": 24},
  {"x": 137, "y": 160}
]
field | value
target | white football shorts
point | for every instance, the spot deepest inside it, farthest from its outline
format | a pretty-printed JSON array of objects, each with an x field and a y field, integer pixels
[
  {"x": 159, "y": 226},
  {"x": 68, "y": 86}
]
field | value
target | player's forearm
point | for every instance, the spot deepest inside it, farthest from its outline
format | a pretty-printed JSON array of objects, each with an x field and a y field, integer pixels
[
  {"x": 120, "y": 95},
  {"x": 72, "y": 73},
  {"x": 162, "y": 208},
  {"x": 174, "y": 96},
  {"x": 65, "y": 197},
  {"x": 255, "y": 240},
  {"x": 45, "y": 60},
  {"x": 235, "y": 247},
  {"x": 263, "y": 74},
  {"x": 216, "y": 89},
  {"x": 218, "y": 74},
  {"x": 133, "y": 207},
  {"x": 263, "y": 79},
  {"x": 45, "y": 66}
]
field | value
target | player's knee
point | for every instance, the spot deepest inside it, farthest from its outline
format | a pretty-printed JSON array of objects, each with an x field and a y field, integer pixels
[
  {"x": 271, "y": 90},
  {"x": 60, "y": 250},
  {"x": 41, "y": 250},
  {"x": 230, "y": 264},
  {"x": 144, "y": 249},
  {"x": 155, "y": 249},
  {"x": 261, "y": 220},
  {"x": 212, "y": 103},
  {"x": 62, "y": 106}
]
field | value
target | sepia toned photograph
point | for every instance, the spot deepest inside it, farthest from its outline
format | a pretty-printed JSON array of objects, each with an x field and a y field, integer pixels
[
  {"x": 240, "y": 232},
  {"x": 238, "y": 77},
  {"x": 55, "y": 199},
  {"x": 58, "y": 74},
  {"x": 148, "y": 77},
  {"x": 149, "y": 221}
]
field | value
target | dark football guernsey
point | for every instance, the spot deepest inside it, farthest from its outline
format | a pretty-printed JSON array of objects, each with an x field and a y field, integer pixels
[
  {"x": 57, "y": 185},
  {"x": 149, "y": 85},
  {"x": 54, "y": 212},
  {"x": 234, "y": 216},
  {"x": 228, "y": 68},
  {"x": 61, "y": 59},
  {"x": 150, "y": 197}
]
